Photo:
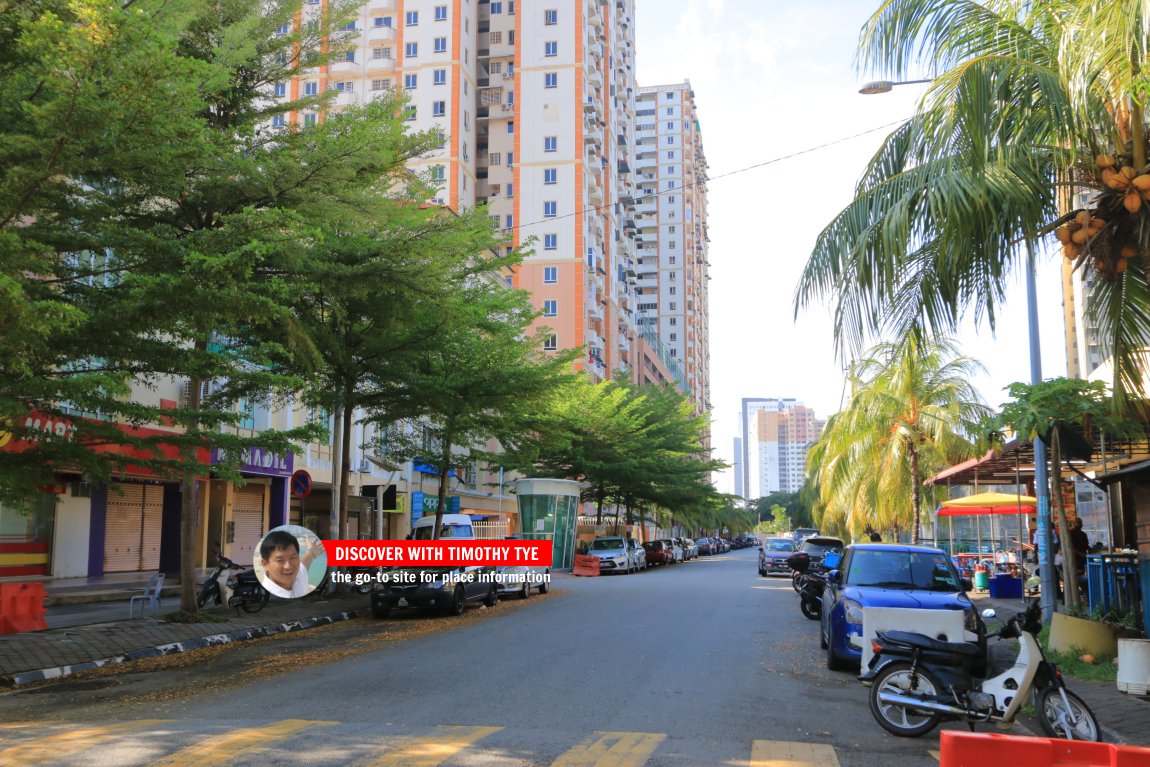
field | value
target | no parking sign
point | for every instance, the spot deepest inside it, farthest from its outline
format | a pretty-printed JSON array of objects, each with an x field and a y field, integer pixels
[{"x": 300, "y": 484}]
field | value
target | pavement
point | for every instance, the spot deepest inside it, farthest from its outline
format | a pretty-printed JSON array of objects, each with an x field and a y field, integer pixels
[{"x": 84, "y": 635}]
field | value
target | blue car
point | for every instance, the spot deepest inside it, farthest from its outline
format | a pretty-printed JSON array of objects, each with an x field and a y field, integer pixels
[{"x": 886, "y": 575}]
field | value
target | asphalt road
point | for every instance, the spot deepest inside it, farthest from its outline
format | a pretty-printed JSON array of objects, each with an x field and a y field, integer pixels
[{"x": 701, "y": 663}]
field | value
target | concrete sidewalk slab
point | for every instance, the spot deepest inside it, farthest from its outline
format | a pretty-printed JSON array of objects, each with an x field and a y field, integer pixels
[{"x": 36, "y": 656}]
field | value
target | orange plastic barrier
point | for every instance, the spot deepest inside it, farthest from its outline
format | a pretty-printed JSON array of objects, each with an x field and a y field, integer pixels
[
  {"x": 21, "y": 607},
  {"x": 586, "y": 565},
  {"x": 979, "y": 749}
]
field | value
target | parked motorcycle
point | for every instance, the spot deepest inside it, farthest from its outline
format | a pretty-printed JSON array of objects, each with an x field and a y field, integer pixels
[
  {"x": 918, "y": 682},
  {"x": 811, "y": 595},
  {"x": 247, "y": 592}
]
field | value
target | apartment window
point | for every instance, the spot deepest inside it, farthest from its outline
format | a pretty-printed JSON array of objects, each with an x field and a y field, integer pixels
[
  {"x": 382, "y": 21},
  {"x": 670, "y": 154},
  {"x": 467, "y": 120},
  {"x": 550, "y": 343},
  {"x": 412, "y": 18},
  {"x": 671, "y": 259},
  {"x": 550, "y": 274},
  {"x": 671, "y": 140},
  {"x": 437, "y": 173},
  {"x": 495, "y": 158},
  {"x": 674, "y": 321},
  {"x": 496, "y": 8},
  {"x": 311, "y": 89},
  {"x": 670, "y": 96},
  {"x": 550, "y": 242},
  {"x": 411, "y": 50},
  {"x": 672, "y": 290},
  {"x": 309, "y": 119},
  {"x": 671, "y": 185},
  {"x": 510, "y": 159},
  {"x": 494, "y": 222},
  {"x": 550, "y": 16},
  {"x": 550, "y": 308},
  {"x": 410, "y": 81},
  {"x": 550, "y": 176},
  {"x": 281, "y": 89},
  {"x": 671, "y": 229},
  {"x": 348, "y": 27},
  {"x": 551, "y": 80},
  {"x": 438, "y": 108},
  {"x": 381, "y": 53},
  {"x": 670, "y": 110},
  {"x": 674, "y": 352},
  {"x": 511, "y": 190},
  {"x": 283, "y": 29},
  {"x": 441, "y": 13},
  {"x": 495, "y": 38},
  {"x": 551, "y": 48},
  {"x": 495, "y": 67},
  {"x": 438, "y": 76},
  {"x": 550, "y": 208},
  {"x": 440, "y": 45},
  {"x": 674, "y": 336},
  {"x": 380, "y": 85},
  {"x": 409, "y": 113},
  {"x": 672, "y": 275},
  {"x": 345, "y": 87},
  {"x": 278, "y": 121},
  {"x": 670, "y": 126},
  {"x": 550, "y": 144},
  {"x": 671, "y": 198},
  {"x": 511, "y": 8},
  {"x": 510, "y": 126},
  {"x": 442, "y": 140},
  {"x": 510, "y": 221},
  {"x": 673, "y": 306},
  {"x": 349, "y": 56}
]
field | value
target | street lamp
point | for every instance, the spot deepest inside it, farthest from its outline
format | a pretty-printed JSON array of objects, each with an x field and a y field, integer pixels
[
  {"x": 885, "y": 86},
  {"x": 1045, "y": 538}
]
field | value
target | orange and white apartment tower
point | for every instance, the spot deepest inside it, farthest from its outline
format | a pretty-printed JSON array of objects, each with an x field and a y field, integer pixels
[{"x": 537, "y": 104}]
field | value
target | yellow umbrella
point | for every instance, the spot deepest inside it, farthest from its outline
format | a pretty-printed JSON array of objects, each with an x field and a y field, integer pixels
[{"x": 990, "y": 500}]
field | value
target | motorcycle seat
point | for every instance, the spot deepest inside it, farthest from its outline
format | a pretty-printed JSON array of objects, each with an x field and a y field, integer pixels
[{"x": 923, "y": 642}]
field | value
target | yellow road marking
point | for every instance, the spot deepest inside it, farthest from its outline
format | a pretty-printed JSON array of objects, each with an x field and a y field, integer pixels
[
  {"x": 225, "y": 748},
  {"x": 52, "y": 747},
  {"x": 444, "y": 742},
  {"x": 935, "y": 754},
  {"x": 782, "y": 753},
  {"x": 611, "y": 749}
]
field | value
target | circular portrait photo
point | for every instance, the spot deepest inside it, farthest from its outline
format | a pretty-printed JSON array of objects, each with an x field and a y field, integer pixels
[{"x": 290, "y": 561}]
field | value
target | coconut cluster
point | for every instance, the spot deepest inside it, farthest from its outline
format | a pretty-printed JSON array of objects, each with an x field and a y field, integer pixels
[{"x": 1110, "y": 233}]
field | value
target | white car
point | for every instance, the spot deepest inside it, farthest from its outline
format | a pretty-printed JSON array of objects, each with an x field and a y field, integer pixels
[
  {"x": 614, "y": 555},
  {"x": 521, "y": 579}
]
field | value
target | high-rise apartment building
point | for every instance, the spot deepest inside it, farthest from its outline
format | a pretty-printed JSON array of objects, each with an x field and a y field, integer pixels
[
  {"x": 672, "y": 214},
  {"x": 776, "y": 434},
  {"x": 537, "y": 102}
]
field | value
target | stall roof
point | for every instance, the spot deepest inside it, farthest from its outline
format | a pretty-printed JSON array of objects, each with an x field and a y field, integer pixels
[{"x": 1016, "y": 460}]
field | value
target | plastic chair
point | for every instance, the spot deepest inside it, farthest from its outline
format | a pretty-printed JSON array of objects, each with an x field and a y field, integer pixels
[{"x": 151, "y": 595}]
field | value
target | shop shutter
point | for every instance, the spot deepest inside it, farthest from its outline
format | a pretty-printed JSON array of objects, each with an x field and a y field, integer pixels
[
  {"x": 122, "y": 528},
  {"x": 248, "y": 515},
  {"x": 153, "y": 518}
]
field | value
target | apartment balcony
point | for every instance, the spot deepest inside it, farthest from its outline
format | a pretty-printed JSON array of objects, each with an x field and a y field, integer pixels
[
  {"x": 595, "y": 77},
  {"x": 595, "y": 312},
  {"x": 380, "y": 34},
  {"x": 379, "y": 5},
  {"x": 375, "y": 66},
  {"x": 344, "y": 67}
]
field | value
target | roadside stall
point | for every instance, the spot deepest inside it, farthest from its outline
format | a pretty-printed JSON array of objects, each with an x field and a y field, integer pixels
[{"x": 996, "y": 571}]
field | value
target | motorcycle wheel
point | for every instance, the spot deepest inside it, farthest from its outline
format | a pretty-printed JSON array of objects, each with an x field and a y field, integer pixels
[
  {"x": 896, "y": 718},
  {"x": 797, "y": 582},
  {"x": 810, "y": 607},
  {"x": 1074, "y": 723},
  {"x": 255, "y": 605}
]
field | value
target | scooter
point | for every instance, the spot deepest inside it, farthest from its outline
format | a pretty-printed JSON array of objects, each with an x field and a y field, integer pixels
[
  {"x": 247, "y": 593},
  {"x": 916, "y": 682}
]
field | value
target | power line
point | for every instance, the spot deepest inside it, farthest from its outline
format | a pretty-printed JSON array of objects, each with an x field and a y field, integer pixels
[{"x": 655, "y": 194}]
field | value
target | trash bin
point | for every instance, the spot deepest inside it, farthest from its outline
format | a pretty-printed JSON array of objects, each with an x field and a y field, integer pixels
[{"x": 1005, "y": 586}]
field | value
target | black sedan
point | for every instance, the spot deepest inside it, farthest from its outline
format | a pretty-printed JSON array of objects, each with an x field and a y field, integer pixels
[
  {"x": 438, "y": 588},
  {"x": 773, "y": 556}
]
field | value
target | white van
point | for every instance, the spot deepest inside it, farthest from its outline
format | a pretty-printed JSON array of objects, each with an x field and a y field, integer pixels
[{"x": 454, "y": 526}]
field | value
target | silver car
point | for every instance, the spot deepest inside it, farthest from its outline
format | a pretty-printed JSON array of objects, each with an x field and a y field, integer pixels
[{"x": 614, "y": 556}]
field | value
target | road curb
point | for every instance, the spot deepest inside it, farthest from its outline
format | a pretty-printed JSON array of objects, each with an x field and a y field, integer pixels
[{"x": 23, "y": 678}]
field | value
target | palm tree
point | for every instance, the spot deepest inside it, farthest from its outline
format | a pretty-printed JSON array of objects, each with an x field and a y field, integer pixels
[
  {"x": 1032, "y": 100},
  {"x": 912, "y": 405}
]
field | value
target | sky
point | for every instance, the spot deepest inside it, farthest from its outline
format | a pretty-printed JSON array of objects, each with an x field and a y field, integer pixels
[{"x": 774, "y": 78}]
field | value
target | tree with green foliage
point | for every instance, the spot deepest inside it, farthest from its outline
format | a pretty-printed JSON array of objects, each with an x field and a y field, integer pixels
[
  {"x": 912, "y": 405},
  {"x": 1030, "y": 103},
  {"x": 485, "y": 377}
]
